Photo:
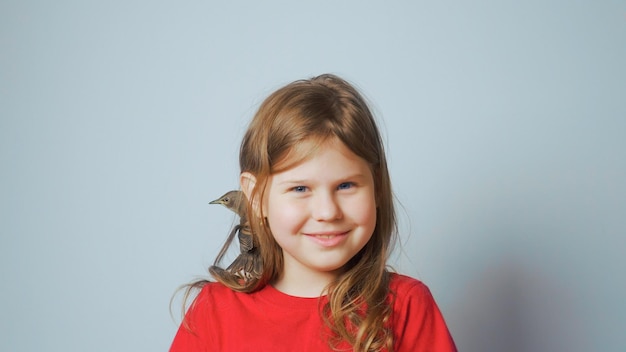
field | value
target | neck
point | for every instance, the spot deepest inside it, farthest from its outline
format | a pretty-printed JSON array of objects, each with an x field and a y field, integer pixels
[{"x": 303, "y": 283}]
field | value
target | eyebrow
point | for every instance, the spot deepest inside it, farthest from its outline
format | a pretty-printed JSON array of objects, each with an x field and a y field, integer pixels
[{"x": 358, "y": 176}]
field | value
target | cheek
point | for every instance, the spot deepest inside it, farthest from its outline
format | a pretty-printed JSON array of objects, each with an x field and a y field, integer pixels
[
  {"x": 368, "y": 217},
  {"x": 366, "y": 213},
  {"x": 284, "y": 216}
]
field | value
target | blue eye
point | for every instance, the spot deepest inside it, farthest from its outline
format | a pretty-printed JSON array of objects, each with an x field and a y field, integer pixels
[
  {"x": 299, "y": 189},
  {"x": 346, "y": 185}
]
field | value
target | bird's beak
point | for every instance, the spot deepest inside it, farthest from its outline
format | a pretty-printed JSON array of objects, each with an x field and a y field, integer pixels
[{"x": 217, "y": 201}]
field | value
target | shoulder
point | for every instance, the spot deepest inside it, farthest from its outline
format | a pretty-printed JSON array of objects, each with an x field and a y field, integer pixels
[
  {"x": 209, "y": 307},
  {"x": 210, "y": 289},
  {"x": 194, "y": 333},
  {"x": 214, "y": 295},
  {"x": 411, "y": 299},
  {"x": 207, "y": 291},
  {"x": 417, "y": 321},
  {"x": 403, "y": 286}
]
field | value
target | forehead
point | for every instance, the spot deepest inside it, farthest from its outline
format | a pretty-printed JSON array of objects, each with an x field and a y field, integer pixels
[
  {"x": 299, "y": 153},
  {"x": 325, "y": 157}
]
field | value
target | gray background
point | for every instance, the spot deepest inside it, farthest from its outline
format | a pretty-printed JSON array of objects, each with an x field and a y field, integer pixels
[{"x": 505, "y": 123}]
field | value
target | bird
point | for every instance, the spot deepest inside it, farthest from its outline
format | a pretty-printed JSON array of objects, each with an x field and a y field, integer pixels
[
  {"x": 233, "y": 200},
  {"x": 247, "y": 264},
  {"x": 236, "y": 202}
]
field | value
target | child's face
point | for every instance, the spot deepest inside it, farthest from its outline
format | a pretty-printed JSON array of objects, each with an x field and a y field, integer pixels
[{"x": 322, "y": 211}]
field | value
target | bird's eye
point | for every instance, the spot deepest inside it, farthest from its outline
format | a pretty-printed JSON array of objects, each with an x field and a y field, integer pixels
[{"x": 226, "y": 199}]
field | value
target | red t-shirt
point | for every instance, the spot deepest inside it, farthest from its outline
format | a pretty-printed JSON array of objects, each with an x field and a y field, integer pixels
[{"x": 268, "y": 320}]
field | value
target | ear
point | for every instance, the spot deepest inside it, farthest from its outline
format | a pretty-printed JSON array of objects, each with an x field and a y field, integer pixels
[{"x": 247, "y": 181}]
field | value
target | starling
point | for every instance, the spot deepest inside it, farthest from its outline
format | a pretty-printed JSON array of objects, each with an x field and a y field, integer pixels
[
  {"x": 245, "y": 266},
  {"x": 235, "y": 201}
]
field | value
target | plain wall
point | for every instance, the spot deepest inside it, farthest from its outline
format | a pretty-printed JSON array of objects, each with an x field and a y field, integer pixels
[{"x": 505, "y": 126}]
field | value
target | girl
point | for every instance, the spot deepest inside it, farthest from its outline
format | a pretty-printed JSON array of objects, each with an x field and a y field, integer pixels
[{"x": 321, "y": 215}]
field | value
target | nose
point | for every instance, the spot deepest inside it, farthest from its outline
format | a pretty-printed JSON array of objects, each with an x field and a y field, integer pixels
[{"x": 325, "y": 207}]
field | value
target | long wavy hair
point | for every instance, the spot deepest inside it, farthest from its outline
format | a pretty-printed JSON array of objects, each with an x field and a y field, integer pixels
[{"x": 317, "y": 110}]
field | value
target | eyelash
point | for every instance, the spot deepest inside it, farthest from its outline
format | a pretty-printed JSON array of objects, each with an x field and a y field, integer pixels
[
  {"x": 299, "y": 189},
  {"x": 346, "y": 185},
  {"x": 342, "y": 186}
]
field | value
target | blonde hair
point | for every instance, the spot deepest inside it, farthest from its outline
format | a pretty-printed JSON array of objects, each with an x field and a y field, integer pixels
[{"x": 317, "y": 110}]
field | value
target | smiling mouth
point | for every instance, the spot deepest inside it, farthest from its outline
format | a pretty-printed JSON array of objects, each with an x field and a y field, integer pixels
[
  {"x": 329, "y": 239},
  {"x": 328, "y": 235}
]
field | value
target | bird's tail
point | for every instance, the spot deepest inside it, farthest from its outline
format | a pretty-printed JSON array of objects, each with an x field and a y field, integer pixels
[{"x": 245, "y": 271}]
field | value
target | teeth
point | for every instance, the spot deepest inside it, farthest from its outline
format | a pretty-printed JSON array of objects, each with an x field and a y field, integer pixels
[{"x": 325, "y": 236}]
